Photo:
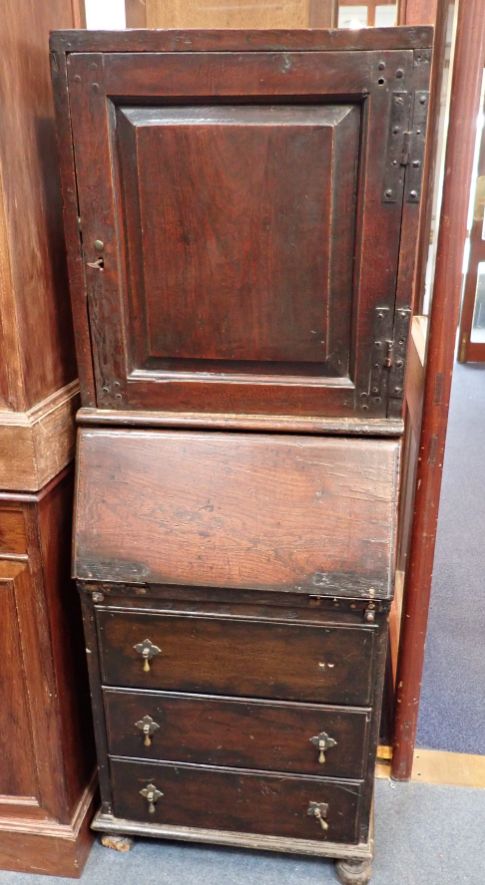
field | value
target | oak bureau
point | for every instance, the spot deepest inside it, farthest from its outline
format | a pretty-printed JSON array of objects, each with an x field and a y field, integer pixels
[{"x": 241, "y": 211}]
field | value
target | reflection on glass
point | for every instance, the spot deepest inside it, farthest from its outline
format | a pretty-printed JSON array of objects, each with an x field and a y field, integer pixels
[
  {"x": 478, "y": 327},
  {"x": 364, "y": 15},
  {"x": 352, "y": 16}
]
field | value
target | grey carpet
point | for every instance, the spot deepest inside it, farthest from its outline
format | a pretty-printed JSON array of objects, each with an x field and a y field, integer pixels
[
  {"x": 452, "y": 711},
  {"x": 425, "y": 835}
]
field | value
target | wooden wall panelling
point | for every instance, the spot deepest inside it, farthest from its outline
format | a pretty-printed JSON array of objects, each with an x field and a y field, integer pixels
[
  {"x": 464, "y": 107},
  {"x": 37, "y": 331},
  {"x": 78, "y": 14},
  {"x": 230, "y": 14}
]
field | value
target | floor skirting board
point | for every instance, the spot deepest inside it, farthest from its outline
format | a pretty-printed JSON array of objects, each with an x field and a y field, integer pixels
[{"x": 439, "y": 767}]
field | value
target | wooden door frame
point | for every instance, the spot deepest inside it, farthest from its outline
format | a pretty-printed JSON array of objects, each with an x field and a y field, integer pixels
[
  {"x": 464, "y": 106},
  {"x": 474, "y": 351}
]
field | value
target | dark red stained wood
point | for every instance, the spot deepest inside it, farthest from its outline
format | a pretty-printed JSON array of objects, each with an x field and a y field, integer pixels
[
  {"x": 232, "y": 510},
  {"x": 235, "y": 299},
  {"x": 238, "y": 657},
  {"x": 234, "y": 40},
  {"x": 240, "y": 733},
  {"x": 227, "y": 799},
  {"x": 18, "y": 776},
  {"x": 238, "y": 261},
  {"x": 13, "y": 538},
  {"x": 464, "y": 108},
  {"x": 36, "y": 339},
  {"x": 474, "y": 351}
]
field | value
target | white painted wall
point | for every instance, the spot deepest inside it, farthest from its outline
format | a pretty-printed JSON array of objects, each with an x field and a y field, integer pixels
[{"x": 105, "y": 15}]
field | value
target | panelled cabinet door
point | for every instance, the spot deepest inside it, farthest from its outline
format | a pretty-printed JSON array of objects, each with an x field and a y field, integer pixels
[{"x": 241, "y": 219}]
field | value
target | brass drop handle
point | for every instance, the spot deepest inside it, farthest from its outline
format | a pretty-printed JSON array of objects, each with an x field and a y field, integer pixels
[
  {"x": 319, "y": 810},
  {"x": 323, "y": 742},
  {"x": 152, "y": 795},
  {"x": 147, "y": 726},
  {"x": 148, "y": 651}
]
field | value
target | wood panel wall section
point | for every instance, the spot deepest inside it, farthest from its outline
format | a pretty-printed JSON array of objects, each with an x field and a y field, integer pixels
[
  {"x": 231, "y": 14},
  {"x": 46, "y": 779}
]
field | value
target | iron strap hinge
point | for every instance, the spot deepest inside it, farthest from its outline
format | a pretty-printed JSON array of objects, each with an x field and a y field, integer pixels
[
  {"x": 388, "y": 358},
  {"x": 403, "y": 168}
]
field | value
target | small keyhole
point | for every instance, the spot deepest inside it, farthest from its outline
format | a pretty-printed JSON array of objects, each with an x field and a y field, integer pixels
[{"x": 97, "y": 265}]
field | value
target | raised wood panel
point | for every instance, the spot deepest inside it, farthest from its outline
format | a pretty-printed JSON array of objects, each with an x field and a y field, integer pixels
[
  {"x": 18, "y": 776},
  {"x": 239, "y": 263},
  {"x": 281, "y": 513}
]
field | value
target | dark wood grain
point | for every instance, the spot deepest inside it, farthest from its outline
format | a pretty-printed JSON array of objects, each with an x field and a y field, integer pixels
[
  {"x": 227, "y": 294},
  {"x": 237, "y": 266},
  {"x": 277, "y": 513},
  {"x": 311, "y": 608},
  {"x": 67, "y": 645},
  {"x": 234, "y": 40},
  {"x": 18, "y": 779},
  {"x": 237, "y": 656},
  {"x": 464, "y": 108},
  {"x": 225, "y": 799},
  {"x": 238, "y": 733},
  {"x": 379, "y": 427}
]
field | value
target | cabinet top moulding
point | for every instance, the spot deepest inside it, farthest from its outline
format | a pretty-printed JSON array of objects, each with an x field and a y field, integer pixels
[
  {"x": 241, "y": 210},
  {"x": 167, "y": 40}
]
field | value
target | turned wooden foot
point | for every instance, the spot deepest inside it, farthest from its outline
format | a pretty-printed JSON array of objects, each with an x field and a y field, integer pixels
[
  {"x": 354, "y": 872},
  {"x": 117, "y": 843}
]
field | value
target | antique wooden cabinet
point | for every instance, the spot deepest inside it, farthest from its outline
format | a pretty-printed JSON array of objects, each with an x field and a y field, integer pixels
[{"x": 241, "y": 211}]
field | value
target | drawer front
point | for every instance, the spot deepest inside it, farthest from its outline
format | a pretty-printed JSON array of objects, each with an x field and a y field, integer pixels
[
  {"x": 300, "y": 738},
  {"x": 237, "y": 657},
  {"x": 253, "y": 512},
  {"x": 227, "y": 799}
]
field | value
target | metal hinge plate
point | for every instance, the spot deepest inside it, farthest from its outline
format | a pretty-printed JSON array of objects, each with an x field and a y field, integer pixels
[
  {"x": 382, "y": 351},
  {"x": 388, "y": 359},
  {"x": 397, "y": 147},
  {"x": 414, "y": 172},
  {"x": 405, "y": 146},
  {"x": 402, "y": 322}
]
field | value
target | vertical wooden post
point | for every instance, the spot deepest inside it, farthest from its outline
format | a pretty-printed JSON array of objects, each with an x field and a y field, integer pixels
[{"x": 464, "y": 107}]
